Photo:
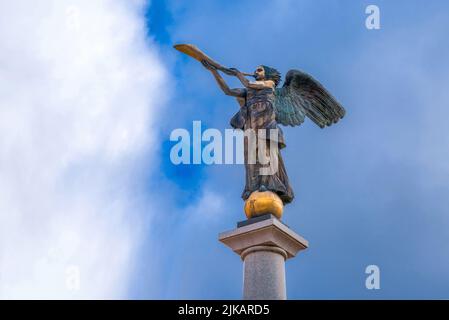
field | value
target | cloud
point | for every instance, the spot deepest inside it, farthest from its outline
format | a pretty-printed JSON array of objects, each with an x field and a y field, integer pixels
[{"x": 79, "y": 90}]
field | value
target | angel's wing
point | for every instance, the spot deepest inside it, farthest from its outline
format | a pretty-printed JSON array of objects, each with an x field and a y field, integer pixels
[{"x": 302, "y": 95}]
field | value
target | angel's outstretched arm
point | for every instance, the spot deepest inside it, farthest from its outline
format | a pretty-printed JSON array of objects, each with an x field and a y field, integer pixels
[
  {"x": 238, "y": 92},
  {"x": 254, "y": 84}
]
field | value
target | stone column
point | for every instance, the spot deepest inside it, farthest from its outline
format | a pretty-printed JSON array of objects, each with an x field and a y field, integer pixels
[{"x": 264, "y": 243}]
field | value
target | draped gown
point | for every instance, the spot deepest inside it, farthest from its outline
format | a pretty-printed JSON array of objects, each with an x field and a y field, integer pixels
[{"x": 258, "y": 114}]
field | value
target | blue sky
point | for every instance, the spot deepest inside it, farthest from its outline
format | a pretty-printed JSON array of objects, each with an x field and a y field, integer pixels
[{"x": 371, "y": 190}]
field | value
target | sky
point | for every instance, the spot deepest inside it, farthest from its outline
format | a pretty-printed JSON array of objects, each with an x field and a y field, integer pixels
[{"x": 92, "y": 207}]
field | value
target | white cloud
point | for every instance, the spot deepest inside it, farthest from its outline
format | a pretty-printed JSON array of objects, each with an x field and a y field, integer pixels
[
  {"x": 79, "y": 88},
  {"x": 208, "y": 209}
]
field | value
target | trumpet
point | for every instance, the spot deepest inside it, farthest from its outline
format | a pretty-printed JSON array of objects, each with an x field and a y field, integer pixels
[{"x": 197, "y": 54}]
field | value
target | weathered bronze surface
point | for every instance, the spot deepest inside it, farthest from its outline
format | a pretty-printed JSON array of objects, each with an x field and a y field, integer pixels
[{"x": 263, "y": 106}]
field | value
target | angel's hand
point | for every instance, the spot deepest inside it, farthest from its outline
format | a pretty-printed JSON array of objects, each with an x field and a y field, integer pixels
[
  {"x": 208, "y": 66},
  {"x": 231, "y": 71}
]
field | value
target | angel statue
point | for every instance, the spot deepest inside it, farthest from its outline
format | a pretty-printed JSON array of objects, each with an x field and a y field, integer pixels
[{"x": 264, "y": 106}]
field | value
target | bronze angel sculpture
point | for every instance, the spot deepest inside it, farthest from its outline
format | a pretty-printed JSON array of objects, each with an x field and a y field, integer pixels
[{"x": 263, "y": 106}]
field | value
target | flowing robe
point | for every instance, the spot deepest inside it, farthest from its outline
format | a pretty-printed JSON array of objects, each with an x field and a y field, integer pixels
[{"x": 258, "y": 114}]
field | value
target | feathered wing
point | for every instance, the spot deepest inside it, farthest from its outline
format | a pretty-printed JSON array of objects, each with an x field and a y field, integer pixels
[{"x": 302, "y": 95}]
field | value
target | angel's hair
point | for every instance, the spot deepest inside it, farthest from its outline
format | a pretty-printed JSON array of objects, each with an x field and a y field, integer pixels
[{"x": 272, "y": 74}]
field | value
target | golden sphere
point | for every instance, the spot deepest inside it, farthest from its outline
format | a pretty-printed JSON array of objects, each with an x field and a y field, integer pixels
[{"x": 263, "y": 202}]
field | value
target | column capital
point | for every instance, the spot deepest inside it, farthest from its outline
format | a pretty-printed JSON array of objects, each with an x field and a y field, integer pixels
[{"x": 269, "y": 233}]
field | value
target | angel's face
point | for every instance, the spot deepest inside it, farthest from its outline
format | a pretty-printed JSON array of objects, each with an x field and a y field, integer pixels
[{"x": 259, "y": 74}]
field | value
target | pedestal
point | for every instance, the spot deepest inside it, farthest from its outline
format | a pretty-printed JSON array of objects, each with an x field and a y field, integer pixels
[{"x": 264, "y": 243}]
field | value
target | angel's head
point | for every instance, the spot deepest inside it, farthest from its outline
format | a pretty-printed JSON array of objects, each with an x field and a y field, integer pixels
[{"x": 266, "y": 73}]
